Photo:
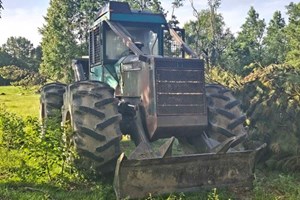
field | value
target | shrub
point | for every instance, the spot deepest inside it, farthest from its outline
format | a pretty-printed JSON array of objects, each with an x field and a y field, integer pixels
[
  {"x": 271, "y": 99},
  {"x": 34, "y": 156}
]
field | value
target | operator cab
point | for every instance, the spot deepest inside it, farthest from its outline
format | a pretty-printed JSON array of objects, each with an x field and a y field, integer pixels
[
  {"x": 147, "y": 30},
  {"x": 144, "y": 38}
]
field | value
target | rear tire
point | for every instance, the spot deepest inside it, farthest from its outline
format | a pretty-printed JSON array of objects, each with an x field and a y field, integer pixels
[
  {"x": 92, "y": 111},
  {"x": 51, "y": 100}
]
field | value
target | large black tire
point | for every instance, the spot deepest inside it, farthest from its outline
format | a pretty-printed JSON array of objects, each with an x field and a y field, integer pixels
[
  {"x": 225, "y": 116},
  {"x": 51, "y": 100},
  {"x": 91, "y": 109},
  {"x": 225, "y": 120}
]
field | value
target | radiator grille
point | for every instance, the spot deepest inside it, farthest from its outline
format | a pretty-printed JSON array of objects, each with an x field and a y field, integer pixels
[{"x": 179, "y": 86}]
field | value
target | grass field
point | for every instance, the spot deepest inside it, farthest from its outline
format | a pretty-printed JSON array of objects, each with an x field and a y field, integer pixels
[
  {"x": 269, "y": 185},
  {"x": 19, "y": 101}
]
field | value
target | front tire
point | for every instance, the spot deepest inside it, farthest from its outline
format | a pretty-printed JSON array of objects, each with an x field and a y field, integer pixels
[
  {"x": 92, "y": 111},
  {"x": 225, "y": 120},
  {"x": 225, "y": 116}
]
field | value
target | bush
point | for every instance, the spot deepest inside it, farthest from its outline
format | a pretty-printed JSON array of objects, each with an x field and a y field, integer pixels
[
  {"x": 31, "y": 156},
  {"x": 271, "y": 99}
]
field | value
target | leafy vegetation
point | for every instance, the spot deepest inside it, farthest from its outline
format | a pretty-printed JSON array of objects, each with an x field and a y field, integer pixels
[
  {"x": 39, "y": 156},
  {"x": 275, "y": 41},
  {"x": 59, "y": 42},
  {"x": 19, "y": 62},
  {"x": 276, "y": 185},
  {"x": 292, "y": 31},
  {"x": 21, "y": 77},
  {"x": 270, "y": 97}
]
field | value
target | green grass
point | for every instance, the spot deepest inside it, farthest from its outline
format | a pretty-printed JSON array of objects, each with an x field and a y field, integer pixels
[
  {"x": 26, "y": 191},
  {"x": 273, "y": 185},
  {"x": 268, "y": 186},
  {"x": 85, "y": 191},
  {"x": 20, "y": 101}
]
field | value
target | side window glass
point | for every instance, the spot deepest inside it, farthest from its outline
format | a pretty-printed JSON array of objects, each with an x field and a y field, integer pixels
[
  {"x": 171, "y": 47},
  {"x": 114, "y": 46}
]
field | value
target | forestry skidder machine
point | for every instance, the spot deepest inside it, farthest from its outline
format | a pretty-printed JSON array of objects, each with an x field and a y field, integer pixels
[{"x": 130, "y": 86}]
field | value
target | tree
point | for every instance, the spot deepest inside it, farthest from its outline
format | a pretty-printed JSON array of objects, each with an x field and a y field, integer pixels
[
  {"x": 22, "y": 52},
  {"x": 59, "y": 43},
  {"x": 18, "y": 47},
  {"x": 275, "y": 42},
  {"x": 153, "y": 5},
  {"x": 207, "y": 34},
  {"x": 248, "y": 47},
  {"x": 292, "y": 32},
  {"x": 5, "y": 58},
  {"x": 19, "y": 62},
  {"x": 83, "y": 17},
  {"x": 65, "y": 34}
]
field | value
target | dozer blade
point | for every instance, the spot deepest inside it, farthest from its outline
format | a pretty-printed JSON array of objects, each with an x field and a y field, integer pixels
[{"x": 139, "y": 178}]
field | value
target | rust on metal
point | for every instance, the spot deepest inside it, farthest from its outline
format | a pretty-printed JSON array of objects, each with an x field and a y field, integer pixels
[{"x": 139, "y": 178}]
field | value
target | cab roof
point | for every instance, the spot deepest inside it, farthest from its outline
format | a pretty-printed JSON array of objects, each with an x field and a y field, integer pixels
[{"x": 121, "y": 12}]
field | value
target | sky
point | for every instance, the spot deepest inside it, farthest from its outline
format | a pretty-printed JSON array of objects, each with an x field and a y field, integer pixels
[{"x": 23, "y": 18}]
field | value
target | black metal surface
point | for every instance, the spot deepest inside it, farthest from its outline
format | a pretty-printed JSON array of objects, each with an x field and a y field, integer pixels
[
  {"x": 94, "y": 46},
  {"x": 180, "y": 109},
  {"x": 179, "y": 86}
]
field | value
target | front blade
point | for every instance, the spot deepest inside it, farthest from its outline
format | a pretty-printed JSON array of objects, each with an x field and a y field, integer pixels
[{"x": 139, "y": 178}]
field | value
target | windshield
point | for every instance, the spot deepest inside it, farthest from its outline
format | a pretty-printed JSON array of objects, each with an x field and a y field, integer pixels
[{"x": 116, "y": 49}]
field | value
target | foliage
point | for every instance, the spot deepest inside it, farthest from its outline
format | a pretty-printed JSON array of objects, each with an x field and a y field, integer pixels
[
  {"x": 175, "y": 5},
  {"x": 207, "y": 34},
  {"x": 19, "y": 52},
  {"x": 293, "y": 31},
  {"x": 39, "y": 158},
  {"x": 21, "y": 77},
  {"x": 59, "y": 44},
  {"x": 153, "y": 5},
  {"x": 276, "y": 185},
  {"x": 5, "y": 58},
  {"x": 248, "y": 47},
  {"x": 214, "y": 195},
  {"x": 23, "y": 53},
  {"x": 224, "y": 77},
  {"x": 84, "y": 14},
  {"x": 275, "y": 41},
  {"x": 271, "y": 99},
  {"x": 65, "y": 35}
]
